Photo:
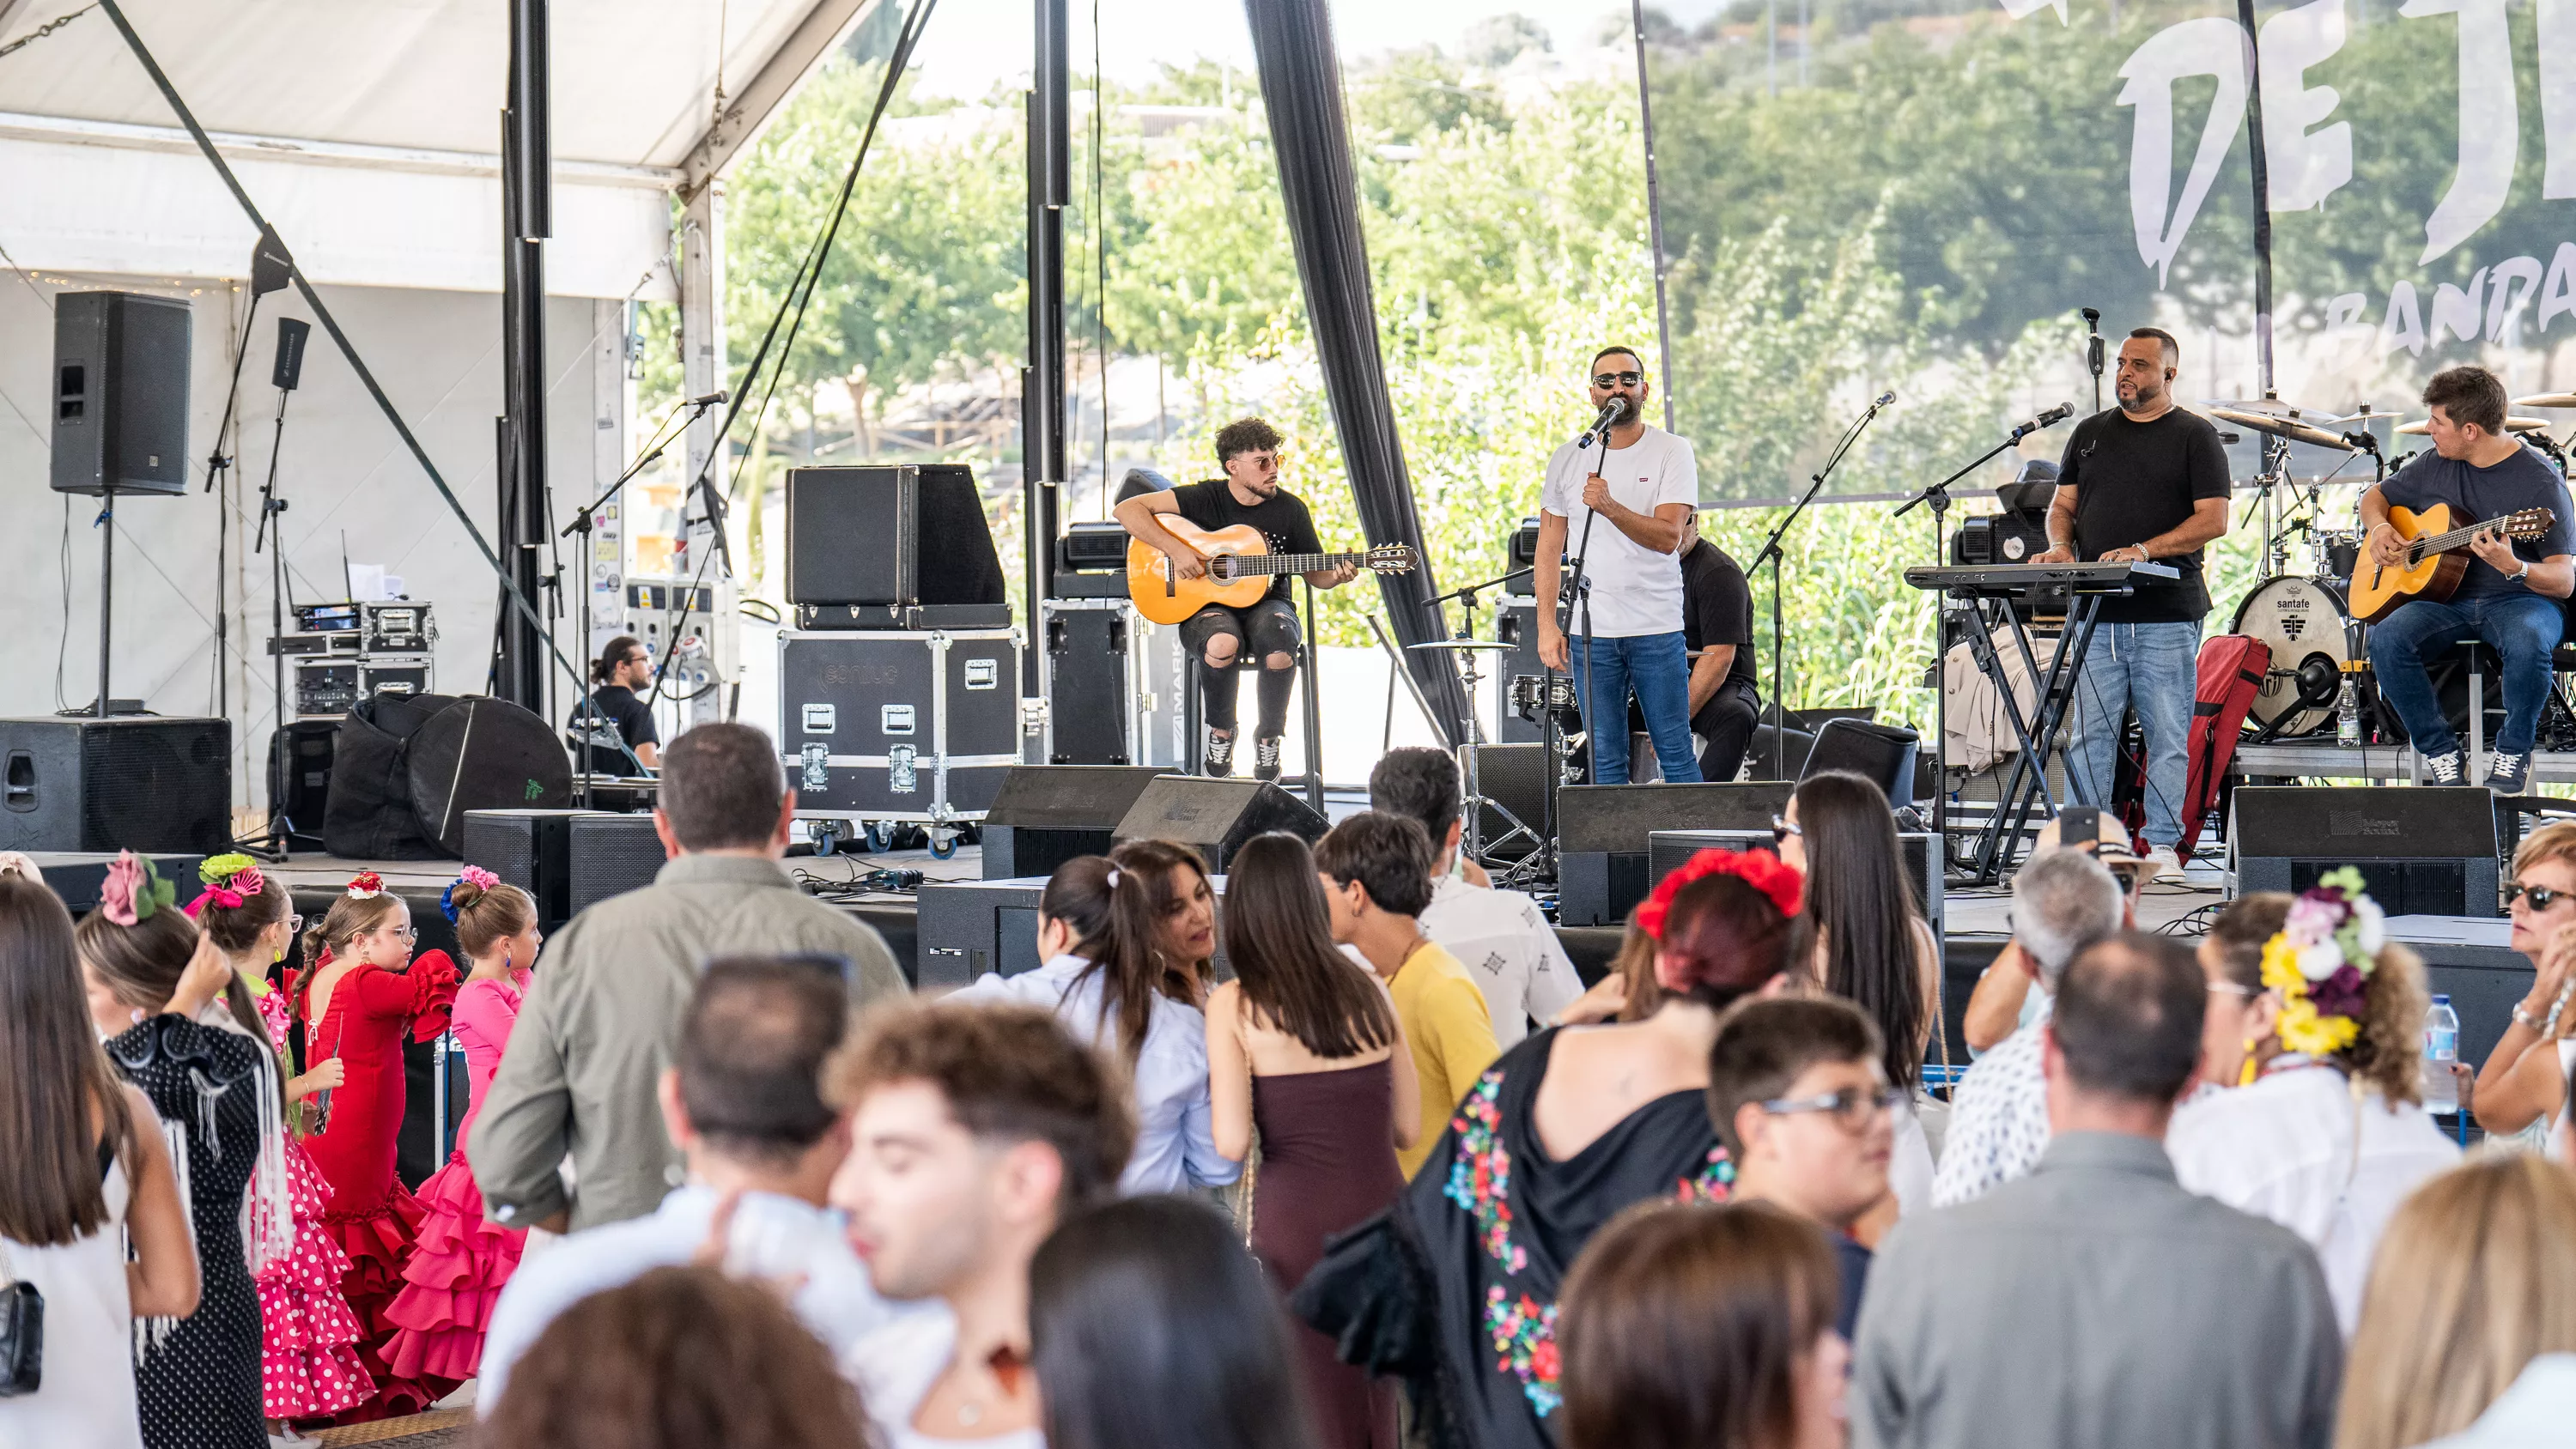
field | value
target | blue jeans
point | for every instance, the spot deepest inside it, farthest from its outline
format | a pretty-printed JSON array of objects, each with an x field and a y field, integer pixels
[
  {"x": 2521, "y": 628},
  {"x": 1657, "y": 666},
  {"x": 2154, "y": 669}
]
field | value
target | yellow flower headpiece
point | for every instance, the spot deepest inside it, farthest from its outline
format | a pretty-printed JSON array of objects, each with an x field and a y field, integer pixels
[{"x": 2322, "y": 961}]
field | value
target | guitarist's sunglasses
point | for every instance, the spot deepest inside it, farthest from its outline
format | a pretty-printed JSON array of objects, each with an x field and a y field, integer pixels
[{"x": 2541, "y": 897}]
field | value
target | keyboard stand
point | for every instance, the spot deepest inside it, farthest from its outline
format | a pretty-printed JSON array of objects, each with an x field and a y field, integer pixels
[{"x": 2026, "y": 783}]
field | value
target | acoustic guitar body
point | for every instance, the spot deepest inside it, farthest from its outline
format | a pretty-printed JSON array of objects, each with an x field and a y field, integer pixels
[
  {"x": 1165, "y": 600},
  {"x": 2379, "y": 589}
]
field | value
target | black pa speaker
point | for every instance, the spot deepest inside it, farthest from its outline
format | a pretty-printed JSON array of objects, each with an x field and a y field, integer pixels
[
  {"x": 530, "y": 849},
  {"x": 299, "y": 769},
  {"x": 1215, "y": 817},
  {"x": 1881, "y": 754},
  {"x": 1515, "y": 778},
  {"x": 2422, "y": 850},
  {"x": 120, "y": 393},
  {"x": 1045, "y": 815},
  {"x": 77, "y": 877},
  {"x": 611, "y": 855},
  {"x": 1671, "y": 848},
  {"x": 140, "y": 783},
  {"x": 913, "y": 534},
  {"x": 482, "y": 754},
  {"x": 1604, "y": 837}
]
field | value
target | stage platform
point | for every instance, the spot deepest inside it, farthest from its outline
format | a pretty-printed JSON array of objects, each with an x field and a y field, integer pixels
[{"x": 2281, "y": 764}]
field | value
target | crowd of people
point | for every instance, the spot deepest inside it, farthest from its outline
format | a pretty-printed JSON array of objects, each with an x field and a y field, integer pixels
[{"x": 1334, "y": 1153}]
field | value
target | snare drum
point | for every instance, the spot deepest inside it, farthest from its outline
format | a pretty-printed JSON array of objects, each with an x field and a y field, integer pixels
[
  {"x": 2338, "y": 554},
  {"x": 1526, "y": 690}
]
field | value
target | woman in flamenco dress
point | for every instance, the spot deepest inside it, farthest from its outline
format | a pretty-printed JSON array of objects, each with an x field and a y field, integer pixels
[
  {"x": 460, "y": 1262},
  {"x": 360, "y": 999}
]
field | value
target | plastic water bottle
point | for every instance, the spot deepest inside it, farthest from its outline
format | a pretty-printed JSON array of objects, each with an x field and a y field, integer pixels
[
  {"x": 2441, "y": 1051},
  {"x": 2348, "y": 714}
]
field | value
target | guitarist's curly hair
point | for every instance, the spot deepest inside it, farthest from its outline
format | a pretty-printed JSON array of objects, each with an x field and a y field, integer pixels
[
  {"x": 1245, "y": 435},
  {"x": 2469, "y": 395}
]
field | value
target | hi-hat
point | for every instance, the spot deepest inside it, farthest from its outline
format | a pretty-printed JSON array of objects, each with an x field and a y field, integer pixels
[
  {"x": 2368, "y": 414},
  {"x": 2281, "y": 425},
  {"x": 2420, "y": 428},
  {"x": 2547, "y": 400}
]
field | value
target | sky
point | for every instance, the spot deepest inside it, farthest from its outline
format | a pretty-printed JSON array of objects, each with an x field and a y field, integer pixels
[{"x": 972, "y": 44}]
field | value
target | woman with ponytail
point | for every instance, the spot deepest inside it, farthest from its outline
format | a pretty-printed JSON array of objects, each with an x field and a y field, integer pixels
[
  {"x": 357, "y": 1002},
  {"x": 460, "y": 1261},
  {"x": 162, "y": 996},
  {"x": 309, "y": 1367},
  {"x": 1102, "y": 974}
]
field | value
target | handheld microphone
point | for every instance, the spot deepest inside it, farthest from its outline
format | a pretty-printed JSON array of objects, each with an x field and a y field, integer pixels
[
  {"x": 2048, "y": 419},
  {"x": 1611, "y": 412},
  {"x": 710, "y": 400},
  {"x": 1885, "y": 399}
]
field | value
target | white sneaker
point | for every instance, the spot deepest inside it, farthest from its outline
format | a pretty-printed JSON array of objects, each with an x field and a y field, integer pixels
[{"x": 2167, "y": 865}]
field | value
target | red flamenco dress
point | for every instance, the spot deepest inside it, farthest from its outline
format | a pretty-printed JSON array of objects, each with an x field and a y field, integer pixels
[
  {"x": 461, "y": 1262},
  {"x": 371, "y": 1215},
  {"x": 309, "y": 1366}
]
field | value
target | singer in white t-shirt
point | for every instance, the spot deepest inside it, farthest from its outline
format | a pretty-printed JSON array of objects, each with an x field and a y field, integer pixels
[{"x": 1629, "y": 619}]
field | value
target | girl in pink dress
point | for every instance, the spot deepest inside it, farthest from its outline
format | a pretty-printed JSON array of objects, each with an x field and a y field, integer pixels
[
  {"x": 309, "y": 1366},
  {"x": 457, "y": 1269},
  {"x": 363, "y": 996}
]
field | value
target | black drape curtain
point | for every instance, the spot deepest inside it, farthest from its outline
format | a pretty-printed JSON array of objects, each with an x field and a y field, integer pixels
[{"x": 1301, "y": 86}]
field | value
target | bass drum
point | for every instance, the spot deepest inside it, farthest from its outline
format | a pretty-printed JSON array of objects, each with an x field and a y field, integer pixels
[{"x": 2301, "y": 619}]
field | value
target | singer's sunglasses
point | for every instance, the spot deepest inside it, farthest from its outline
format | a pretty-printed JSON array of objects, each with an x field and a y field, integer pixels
[
  {"x": 1617, "y": 379},
  {"x": 2541, "y": 897}
]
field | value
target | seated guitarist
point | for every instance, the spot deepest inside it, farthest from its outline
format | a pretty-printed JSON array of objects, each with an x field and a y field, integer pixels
[
  {"x": 1248, "y": 450},
  {"x": 2511, "y": 596}
]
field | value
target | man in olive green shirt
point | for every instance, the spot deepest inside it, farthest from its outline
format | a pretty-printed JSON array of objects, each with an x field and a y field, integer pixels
[
  {"x": 1376, "y": 872},
  {"x": 598, "y": 1027}
]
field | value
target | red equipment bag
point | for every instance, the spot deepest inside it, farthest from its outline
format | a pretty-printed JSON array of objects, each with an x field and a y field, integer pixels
[{"x": 2232, "y": 667}]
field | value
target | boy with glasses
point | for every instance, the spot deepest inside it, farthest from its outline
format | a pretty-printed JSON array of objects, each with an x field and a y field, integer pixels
[
  {"x": 1796, "y": 1093},
  {"x": 1641, "y": 483}
]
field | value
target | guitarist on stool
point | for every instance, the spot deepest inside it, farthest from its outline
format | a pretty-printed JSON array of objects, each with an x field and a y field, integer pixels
[
  {"x": 1248, "y": 450},
  {"x": 2512, "y": 595}
]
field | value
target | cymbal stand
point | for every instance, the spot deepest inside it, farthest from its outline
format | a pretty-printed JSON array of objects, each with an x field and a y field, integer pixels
[{"x": 1476, "y": 803}]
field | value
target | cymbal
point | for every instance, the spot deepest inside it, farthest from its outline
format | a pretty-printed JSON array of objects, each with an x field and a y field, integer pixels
[
  {"x": 1462, "y": 645},
  {"x": 2281, "y": 427},
  {"x": 2512, "y": 424},
  {"x": 2547, "y": 400},
  {"x": 2369, "y": 413}
]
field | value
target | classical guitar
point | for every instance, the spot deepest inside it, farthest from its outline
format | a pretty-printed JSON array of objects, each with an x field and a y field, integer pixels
[
  {"x": 2437, "y": 556},
  {"x": 1240, "y": 568}
]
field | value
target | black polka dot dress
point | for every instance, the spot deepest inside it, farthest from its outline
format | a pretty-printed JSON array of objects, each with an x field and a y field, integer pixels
[{"x": 197, "y": 1379}]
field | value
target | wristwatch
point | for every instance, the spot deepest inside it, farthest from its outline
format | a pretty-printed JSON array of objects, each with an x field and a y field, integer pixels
[{"x": 2525, "y": 573}]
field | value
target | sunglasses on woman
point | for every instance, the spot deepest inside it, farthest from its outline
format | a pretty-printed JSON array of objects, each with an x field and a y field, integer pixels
[
  {"x": 1782, "y": 828},
  {"x": 2541, "y": 897}
]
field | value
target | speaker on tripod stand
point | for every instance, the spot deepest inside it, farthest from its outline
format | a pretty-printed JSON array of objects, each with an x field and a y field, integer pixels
[{"x": 283, "y": 794}]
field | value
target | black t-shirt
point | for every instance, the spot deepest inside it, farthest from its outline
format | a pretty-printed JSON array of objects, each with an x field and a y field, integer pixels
[
  {"x": 2133, "y": 481},
  {"x": 1717, "y": 607},
  {"x": 1281, "y": 518},
  {"x": 633, "y": 719},
  {"x": 2521, "y": 480}
]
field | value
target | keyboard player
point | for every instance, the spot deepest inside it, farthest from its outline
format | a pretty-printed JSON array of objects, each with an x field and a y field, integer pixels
[{"x": 2143, "y": 482}]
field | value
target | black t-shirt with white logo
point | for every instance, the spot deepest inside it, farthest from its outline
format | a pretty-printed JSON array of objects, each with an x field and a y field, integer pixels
[
  {"x": 1281, "y": 518},
  {"x": 2136, "y": 480}
]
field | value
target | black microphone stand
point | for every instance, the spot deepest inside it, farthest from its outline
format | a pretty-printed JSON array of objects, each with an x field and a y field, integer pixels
[
  {"x": 582, "y": 523},
  {"x": 1771, "y": 551},
  {"x": 2093, "y": 352}
]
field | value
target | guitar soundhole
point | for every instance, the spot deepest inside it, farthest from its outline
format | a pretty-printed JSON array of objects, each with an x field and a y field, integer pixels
[{"x": 1221, "y": 568}]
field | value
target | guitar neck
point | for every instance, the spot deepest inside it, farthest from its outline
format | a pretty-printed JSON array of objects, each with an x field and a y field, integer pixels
[
  {"x": 2425, "y": 548},
  {"x": 1293, "y": 563}
]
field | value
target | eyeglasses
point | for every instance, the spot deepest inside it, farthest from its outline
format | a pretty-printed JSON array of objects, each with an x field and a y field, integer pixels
[
  {"x": 1853, "y": 1107},
  {"x": 295, "y": 925},
  {"x": 407, "y": 933},
  {"x": 2541, "y": 897},
  {"x": 1782, "y": 828},
  {"x": 1617, "y": 379}
]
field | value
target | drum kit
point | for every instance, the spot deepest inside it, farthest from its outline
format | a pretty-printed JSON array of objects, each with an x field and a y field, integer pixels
[{"x": 2306, "y": 618}]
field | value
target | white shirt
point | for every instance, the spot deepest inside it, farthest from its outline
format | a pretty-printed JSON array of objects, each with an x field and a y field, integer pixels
[
  {"x": 773, "y": 1237},
  {"x": 895, "y": 1368},
  {"x": 87, "y": 1397},
  {"x": 1503, "y": 941},
  {"x": 2533, "y": 1414},
  {"x": 2285, "y": 1148},
  {"x": 1998, "y": 1120},
  {"x": 1634, "y": 589},
  {"x": 1175, "y": 1129}
]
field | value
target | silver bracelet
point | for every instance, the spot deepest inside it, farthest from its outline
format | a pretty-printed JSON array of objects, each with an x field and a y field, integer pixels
[{"x": 2523, "y": 1018}]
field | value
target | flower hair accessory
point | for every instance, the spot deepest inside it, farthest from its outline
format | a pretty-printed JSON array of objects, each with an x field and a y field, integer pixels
[
  {"x": 473, "y": 875},
  {"x": 229, "y": 879},
  {"x": 366, "y": 885},
  {"x": 1759, "y": 869},
  {"x": 133, "y": 890},
  {"x": 1113, "y": 877},
  {"x": 2322, "y": 961}
]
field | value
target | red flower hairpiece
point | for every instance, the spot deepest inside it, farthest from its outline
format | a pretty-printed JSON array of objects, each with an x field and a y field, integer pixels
[
  {"x": 1759, "y": 869},
  {"x": 366, "y": 884}
]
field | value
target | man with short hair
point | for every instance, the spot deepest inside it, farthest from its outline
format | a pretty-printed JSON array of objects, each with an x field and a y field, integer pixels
[
  {"x": 1376, "y": 873},
  {"x": 974, "y": 1129},
  {"x": 2063, "y": 901},
  {"x": 1249, "y": 494},
  {"x": 2145, "y": 482},
  {"x": 1499, "y": 936},
  {"x": 1801, "y": 1102},
  {"x": 599, "y": 1027},
  {"x": 1717, "y": 627},
  {"x": 2096, "y": 1302},
  {"x": 1638, "y": 483},
  {"x": 744, "y": 1101},
  {"x": 2513, "y": 595}
]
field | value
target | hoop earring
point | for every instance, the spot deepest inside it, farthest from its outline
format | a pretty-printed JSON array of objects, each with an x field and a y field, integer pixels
[{"x": 2246, "y": 1077}]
